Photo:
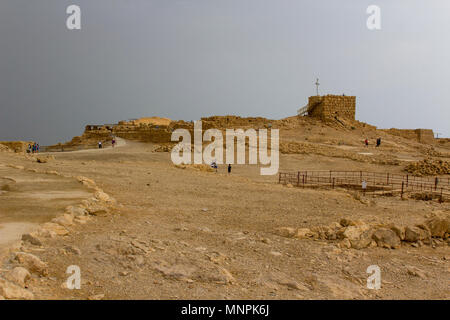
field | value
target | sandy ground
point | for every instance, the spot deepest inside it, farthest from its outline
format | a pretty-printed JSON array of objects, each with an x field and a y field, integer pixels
[
  {"x": 187, "y": 234},
  {"x": 28, "y": 199}
]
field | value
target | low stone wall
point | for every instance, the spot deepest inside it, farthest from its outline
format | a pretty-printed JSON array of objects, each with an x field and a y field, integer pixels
[{"x": 420, "y": 135}]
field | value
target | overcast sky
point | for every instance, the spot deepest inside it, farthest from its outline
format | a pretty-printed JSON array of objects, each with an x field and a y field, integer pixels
[{"x": 185, "y": 59}]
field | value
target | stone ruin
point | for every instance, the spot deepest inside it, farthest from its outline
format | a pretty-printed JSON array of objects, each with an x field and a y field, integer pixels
[{"x": 330, "y": 107}]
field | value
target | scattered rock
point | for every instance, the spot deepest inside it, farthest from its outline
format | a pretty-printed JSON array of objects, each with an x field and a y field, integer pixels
[
  {"x": 76, "y": 211},
  {"x": 438, "y": 226},
  {"x": 97, "y": 297},
  {"x": 12, "y": 291},
  {"x": 386, "y": 238},
  {"x": 55, "y": 228},
  {"x": 31, "y": 238},
  {"x": 65, "y": 220},
  {"x": 73, "y": 250},
  {"x": 19, "y": 275},
  {"x": 102, "y": 196},
  {"x": 399, "y": 231},
  {"x": 81, "y": 219},
  {"x": 304, "y": 233},
  {"x": 414, "y": 234},
  {"x": 286, "y": 232},
  {"x": 32, "y": 263}
]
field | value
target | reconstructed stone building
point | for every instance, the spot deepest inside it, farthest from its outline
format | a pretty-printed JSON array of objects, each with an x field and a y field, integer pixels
[{"x": 330, "y": 107}]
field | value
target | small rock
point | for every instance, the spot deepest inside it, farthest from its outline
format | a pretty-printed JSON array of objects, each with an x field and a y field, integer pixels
[
  {"x": 286, "y": 232},
  {"x": 97, "y": 297},
  {"x": 31, "y": 238},
  {"x": 55, "y": 228},
  {"x": 305, "y": 233},
  {"x": 65, "y": 220},
  {"x": 73, "y": 250},
  {"x": 76, "y": 211}
]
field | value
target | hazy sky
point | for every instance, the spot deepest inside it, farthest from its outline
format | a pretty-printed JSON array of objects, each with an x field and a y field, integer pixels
[{"x": 185, "y": 59}]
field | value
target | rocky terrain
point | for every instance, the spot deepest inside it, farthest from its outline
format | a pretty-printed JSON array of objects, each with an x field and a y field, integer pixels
[{"x": 150, "y": 230}]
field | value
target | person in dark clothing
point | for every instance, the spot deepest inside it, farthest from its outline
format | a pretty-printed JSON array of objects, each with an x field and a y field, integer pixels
[
  {"x": 378, "y": 142},
  {"x": 229, "y": 168}
]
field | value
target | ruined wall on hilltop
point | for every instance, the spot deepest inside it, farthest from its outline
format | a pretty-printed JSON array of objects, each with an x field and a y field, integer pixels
[
  {"x": 17, "y": 146},
  {"x": 136, "y": 131},
  {"x": 419, "y": 135},
  {"x": 330, "y": 106},
  {"x": 228, "y": 122}
]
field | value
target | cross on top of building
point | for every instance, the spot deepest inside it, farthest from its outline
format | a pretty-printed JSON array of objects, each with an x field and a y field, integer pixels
[{"x": 317, "y": 86}]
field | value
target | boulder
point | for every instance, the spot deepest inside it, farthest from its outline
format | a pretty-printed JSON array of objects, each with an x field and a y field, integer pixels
[
  {"x": 399, "y": 231},
  {"x": 305, "y": 233},
  {"x": 76, "y": 211},
  {"x": 32, "y": 263},
  {"x": 81, "y": 219},
  {"x": 438, "y": 226},
  {"x": 413, "y": 234},
  {"x": 55, "y": 228},
  {"x": 102, "y": 196},
  {"x": 352, "y": 232},
  {"x": 31, "y": 238},
  {"x": 19, "y": 275},
  {"x": 97, "y": 210},
  {"x": 364, "y": 241},
  {"x": 12, "y": 291},
  {"x": 64, "y": 220},
  {"x": 286, "y": 232},
  {"x": 386, "y": 238},
  {"x": 348, "y": 222}
]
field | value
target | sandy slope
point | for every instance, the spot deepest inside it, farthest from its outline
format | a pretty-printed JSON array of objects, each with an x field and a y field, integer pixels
[{"x": 183, "y": 233}]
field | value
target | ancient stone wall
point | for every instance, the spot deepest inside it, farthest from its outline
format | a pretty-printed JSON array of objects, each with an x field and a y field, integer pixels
[
  {"x": 420, "y": 135},
  {"x": 332, "y": 106}
]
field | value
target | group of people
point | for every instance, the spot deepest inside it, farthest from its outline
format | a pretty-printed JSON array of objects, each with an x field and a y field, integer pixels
[
  {"x": 113, "y": 143},
  {"x": 214, "y": 166},
  {"x": 34, "y": 148},
  {"x": 366, "y": 142}
]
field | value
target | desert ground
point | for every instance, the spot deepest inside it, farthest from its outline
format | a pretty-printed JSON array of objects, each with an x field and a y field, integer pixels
[{"x": 151, "y": 230}]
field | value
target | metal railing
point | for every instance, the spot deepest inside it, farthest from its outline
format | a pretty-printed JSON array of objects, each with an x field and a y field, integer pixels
[{"x": 374, "y": 181}]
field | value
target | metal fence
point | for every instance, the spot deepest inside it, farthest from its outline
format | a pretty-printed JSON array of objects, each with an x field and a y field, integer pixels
[{"x": 374, "y": 182}]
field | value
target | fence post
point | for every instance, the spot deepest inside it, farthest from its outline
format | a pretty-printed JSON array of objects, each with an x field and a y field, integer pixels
[
  {"x": 436, "y": 181},
  {"x": 387, "y": 178},
  {"x": 298, "y": 178},
  {"x": 333, "y": 183},
  {"x": 279, "y": 177},
  {"x": 402, "y": 189},
  {"x": 407, "y": 180}
]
